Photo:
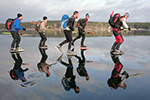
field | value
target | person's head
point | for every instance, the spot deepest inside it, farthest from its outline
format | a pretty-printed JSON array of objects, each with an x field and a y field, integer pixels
[
  {"x": 76, "y": 14},
  {"x": 20, "y": 16},
  {"x": 77, "y": 89},
  {"x": 87, "y": 16},
  {"x": 24, "y": 80},
  {"x": 48, "y": 74},
  {"x": 126, "y": 15},
  {"x": 87, "y": 77},
  {"x": 45, "y": 18},
  {"x": 124, "y": 86}
]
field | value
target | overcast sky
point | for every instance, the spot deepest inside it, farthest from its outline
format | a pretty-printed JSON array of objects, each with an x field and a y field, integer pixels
[{"x": 99, "y": 10}]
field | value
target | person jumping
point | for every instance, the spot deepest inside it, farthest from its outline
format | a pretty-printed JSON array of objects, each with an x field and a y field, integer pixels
[
  {"x": 81, "y": 26},
  {"x": 119, "y": 24},
  {"x": 68, "y": 34},
  {"x": 15, "y": 34}
]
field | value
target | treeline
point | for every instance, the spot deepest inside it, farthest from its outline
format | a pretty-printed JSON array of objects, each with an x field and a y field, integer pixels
[
  {"x": 140, "y": 25},
  {"x": 104, "y": 25},
  {"x": 92, "y": 29}
]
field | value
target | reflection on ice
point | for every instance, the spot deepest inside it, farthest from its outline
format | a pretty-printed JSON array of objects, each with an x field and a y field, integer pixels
[
  {"x": 117, "y": 77},
  {"x": 86, "y": 74}
]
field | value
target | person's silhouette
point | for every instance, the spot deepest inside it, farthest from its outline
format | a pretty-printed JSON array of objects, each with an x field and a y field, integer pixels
[
  {"x": 42, "y": 65},
  {"x": 68, "y": 80},
  {"x": 117, "y": 79},
  {"x": 81, "y": 66},
  {"x": 17, "y": 72}
]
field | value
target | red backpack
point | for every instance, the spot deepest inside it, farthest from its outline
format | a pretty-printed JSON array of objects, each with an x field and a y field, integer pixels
[
  {"x": 78, "y": 23},
  {"x": 9, "y": 23},
  {"x": 37, "y": 25},
  {"x": 114, "y": 19}
]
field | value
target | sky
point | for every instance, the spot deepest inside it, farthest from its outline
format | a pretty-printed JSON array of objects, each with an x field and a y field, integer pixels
[{"x": 99, "y": 10}]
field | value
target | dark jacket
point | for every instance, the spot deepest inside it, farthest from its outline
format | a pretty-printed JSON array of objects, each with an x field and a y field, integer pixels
[
  {"x": 81, "y": 66},
  {"x": 115, "y": 79},
  {"x": 83, "y": 23},
  {"x": 19, "y": 72},
  {"x": 70, "y": 23},
  {"x": 69, "y": 73}
]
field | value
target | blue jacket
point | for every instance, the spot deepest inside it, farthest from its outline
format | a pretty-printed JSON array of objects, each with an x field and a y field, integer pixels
[
  {"x": 16, "y": 25},
  {"x": 20, "y": 73}
]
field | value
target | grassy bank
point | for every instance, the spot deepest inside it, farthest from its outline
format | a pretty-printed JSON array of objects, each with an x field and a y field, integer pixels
[{"x": 96, "y": 28}]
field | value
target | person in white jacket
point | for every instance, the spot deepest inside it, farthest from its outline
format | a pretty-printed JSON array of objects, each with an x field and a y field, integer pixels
[{"x": 124, "y": 21}]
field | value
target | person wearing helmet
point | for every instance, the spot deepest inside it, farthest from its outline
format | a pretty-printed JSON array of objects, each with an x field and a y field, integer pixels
[
  {"x": 119, "y": 25},
  {"x": 15, "y": 34},
  {"x": 81, "y": 26}
]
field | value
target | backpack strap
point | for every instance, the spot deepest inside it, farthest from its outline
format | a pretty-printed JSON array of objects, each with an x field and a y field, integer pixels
[{"x": 116, "y": 18}]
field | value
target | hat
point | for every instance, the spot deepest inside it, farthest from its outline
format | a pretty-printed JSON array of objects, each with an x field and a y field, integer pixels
[
  {"x": 44, "y": 18},
  {"x": 87, "y": 15},
  {"x": 19, "y": 15},
  {"x": 126, "y": 14}
]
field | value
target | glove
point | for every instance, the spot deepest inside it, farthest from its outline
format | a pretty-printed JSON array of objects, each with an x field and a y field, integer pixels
[
  {"x": 125, "y": 74},
  {"x": 129, "y": 29},
  {"x": 24, "y": 29}
]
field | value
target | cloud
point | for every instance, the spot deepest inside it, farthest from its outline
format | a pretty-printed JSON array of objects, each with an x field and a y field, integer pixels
[{"x": 99, "y": 9}]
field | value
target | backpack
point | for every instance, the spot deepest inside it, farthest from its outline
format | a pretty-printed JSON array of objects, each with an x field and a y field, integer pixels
[
  {"x": 81, "y": 72},
  {"x": 65, "y": 82},
  {"x": 9, "y": 23},
  {"x": 78, "y": 23},
  {"x": 113, "y": 20},
  {"x": 63, "y": 22},
  {"x": 37, "y": 25},
  {"x": 13, "y": 75}
]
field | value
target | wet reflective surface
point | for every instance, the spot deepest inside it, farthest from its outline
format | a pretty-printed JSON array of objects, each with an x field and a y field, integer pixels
[{"x": 84, "y": 76}]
